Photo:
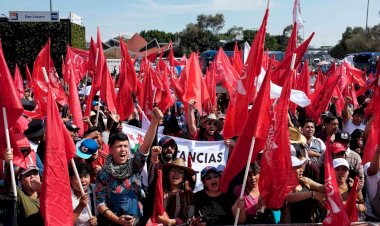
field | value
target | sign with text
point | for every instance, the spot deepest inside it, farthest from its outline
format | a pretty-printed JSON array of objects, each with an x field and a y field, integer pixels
[
  {"x": 203, "y": 153},
  {"x": 33, "y": 16}
]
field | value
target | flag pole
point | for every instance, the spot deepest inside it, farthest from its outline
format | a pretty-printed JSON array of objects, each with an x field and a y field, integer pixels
[
  {"x": 73, "y": 165},
  {"x": 85, "y": 85},
  {"x": 245, "y": 178},
  {"x": 97, "y": 112},
  {"x": 13, "y": 180}
]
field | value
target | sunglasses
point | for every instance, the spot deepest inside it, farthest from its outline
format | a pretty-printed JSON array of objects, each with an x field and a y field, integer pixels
[
  {"x": 212, "y": 123},
  {"x": 30, "y": 173},
  {"x": 212, "y": 176}
]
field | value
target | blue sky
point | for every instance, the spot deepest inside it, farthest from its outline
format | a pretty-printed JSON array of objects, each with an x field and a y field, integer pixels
[{"x": 328, "y": 18}]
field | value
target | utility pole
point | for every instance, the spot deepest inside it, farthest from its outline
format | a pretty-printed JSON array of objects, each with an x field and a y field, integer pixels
[
  {"x": 366, "y": 21},
  {"x": 51, "y": 7}
]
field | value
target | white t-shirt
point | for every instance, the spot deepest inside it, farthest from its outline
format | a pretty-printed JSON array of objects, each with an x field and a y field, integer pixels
[
  {"x": 349, "y": 127},
  {"x": 84, "y": 218},
  {"x": 371, "y": 184}
]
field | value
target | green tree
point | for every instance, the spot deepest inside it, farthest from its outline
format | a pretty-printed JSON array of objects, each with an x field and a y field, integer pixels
[
  {"x": 161, "y": 36},
  {"x": 210, "y": 22},
  {"x": 194, "y": 38}
]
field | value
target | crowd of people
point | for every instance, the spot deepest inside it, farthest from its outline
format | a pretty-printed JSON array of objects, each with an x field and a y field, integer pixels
[{"x": 111, "y": 172}]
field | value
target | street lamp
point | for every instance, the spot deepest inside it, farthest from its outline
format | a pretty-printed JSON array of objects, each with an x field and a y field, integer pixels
[{"x": 366, "y": 21}]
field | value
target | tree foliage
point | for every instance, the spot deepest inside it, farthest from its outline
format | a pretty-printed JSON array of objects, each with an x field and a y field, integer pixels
[
  {"x": 161, "y": 36},
  {"x": 210, "y": 22},
  {"x": 357, "y": 40}
]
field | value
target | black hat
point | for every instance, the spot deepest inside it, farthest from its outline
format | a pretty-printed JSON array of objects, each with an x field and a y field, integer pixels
[
  {"x": 342, "y": 137},
  {"x": 36, "y": 128}
]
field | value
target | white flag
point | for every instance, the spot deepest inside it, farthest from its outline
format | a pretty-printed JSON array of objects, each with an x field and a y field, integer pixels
[{"x": 297, "y": 14}]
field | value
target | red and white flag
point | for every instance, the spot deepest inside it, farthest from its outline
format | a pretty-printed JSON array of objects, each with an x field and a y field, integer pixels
[{"x": 297, "y": 13}]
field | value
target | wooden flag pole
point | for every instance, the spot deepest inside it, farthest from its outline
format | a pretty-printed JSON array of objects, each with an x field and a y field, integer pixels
[{"x": 6, "y": 128}]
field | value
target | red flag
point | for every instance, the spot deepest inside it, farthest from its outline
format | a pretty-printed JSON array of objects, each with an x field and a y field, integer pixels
[
  {"x": 148, "y": 93},
  {"x": 124, "y": 100},
  {"x": 152, "y": 57},
  {"x": 276, "y": 161},
  {"x": 194, "y": 87},
  {"x": 107, "y": 89},
  {"x": 172, "y": 61},
  {"x": 238, "y": 60},
  {"x": 9, "y": 98},
  {"x": 92, "y": 58},
  {"x": 257, "y": 126},
  {"x": 39, "y": 84},
  {"x": 209, "y": 80},
  {"x": 321, "y": 98},
  {"x": 292, "y": 43},
  {"x": 245, "y": 89},
  {"x": 56, "y": 203},
  {"x": 303, "y": 84},
  {"x": 278, "y": 76},
  {"x": 319, "y": 81},
  {"x": 19, "y": 82},
  {"x": 350, "y": 206},
  {"x": 28, "y": 77},
  {"x": 335, "y": 209},
  {"x": 74, "y": 104},
  {"x": 167, "y": 99},
  {"x": 225, "y": 71},
  {"x": 158, "y": 208},
  {"x": 79, "y": 60}
]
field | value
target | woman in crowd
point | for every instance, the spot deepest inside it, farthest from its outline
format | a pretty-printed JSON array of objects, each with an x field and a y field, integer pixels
[
  {"x": 341, "y": 168},
  {"x": 214, "y": 207},
  {"x": 301, "y": 205},
  {"x": 178, "y": 201},
  {"x": 254, "y": 206},
  {"x": 357, "y": 141}
]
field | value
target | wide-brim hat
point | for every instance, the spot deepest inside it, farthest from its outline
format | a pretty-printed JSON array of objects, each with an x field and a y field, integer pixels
[
  {"x": 36, "y": 128},
  {"x": 178, "y": 163},
  {"x": 296, "y": 137},
  {"x": 211, "y": 116}
]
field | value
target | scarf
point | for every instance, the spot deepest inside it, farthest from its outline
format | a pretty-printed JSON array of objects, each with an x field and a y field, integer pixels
[{"x": 118, "y": 171}]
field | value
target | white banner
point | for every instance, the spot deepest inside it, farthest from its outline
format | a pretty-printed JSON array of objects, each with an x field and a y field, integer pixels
[
  {"x": 203, "y": 153},
  {"x": 33, "y": 16},
  {"x": 75, "y": 19}
]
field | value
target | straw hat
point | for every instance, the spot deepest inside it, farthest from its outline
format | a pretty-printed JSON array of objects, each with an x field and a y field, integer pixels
[
  {"x": 296, "y": 137},
  {"x": 211, "y": 116},
  {"x": 178, "y": 163}
]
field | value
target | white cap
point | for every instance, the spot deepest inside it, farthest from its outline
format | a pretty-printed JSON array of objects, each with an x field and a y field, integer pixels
[
  {"x": 340, "y": 162},
  {"x": 296, "y": 162}
]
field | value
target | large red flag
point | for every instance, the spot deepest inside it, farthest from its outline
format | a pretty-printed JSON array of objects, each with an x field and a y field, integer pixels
[
  {"x": 40, "y": 86},
  {"x": 256, "y": 126},
  {"x": 79, "y": 60},
  {"x": 245, "y": 89},
  {"x": 276, "y": 161},
  {"x": 92, "y": 58},
  {"x": 56, "y": 201},
  {"x": 225, "y": 71},
  {"x": 9, "y": 100},
  {"x": 334, "y": 205},
  {"x": 19, "y": 82},
  {"x": 194, "y": 87},
  {"x": 172, "y": 61},
  {"x": 74, "y": 104}
]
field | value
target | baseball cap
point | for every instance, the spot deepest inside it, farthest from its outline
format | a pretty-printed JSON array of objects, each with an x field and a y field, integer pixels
[
  {"x": 28, "y": 169},
  {"x": 208, "y": 169},
  {"x": 296, "y": 162},
  {"x": 86, "y": 148},
  {"x": 72, "y": 127},
  {"x": 340, "y": 162},
  {"x": 342, "y": 137},
  {"x": 337, "y": 147}
]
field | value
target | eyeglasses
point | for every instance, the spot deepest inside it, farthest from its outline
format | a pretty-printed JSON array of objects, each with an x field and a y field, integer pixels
[
  {"x": 210, "y": 123},
  {"x": 30, "y": 173},
  {"x": 179, "y": 171},
  {"x": 212, "y": 176}
]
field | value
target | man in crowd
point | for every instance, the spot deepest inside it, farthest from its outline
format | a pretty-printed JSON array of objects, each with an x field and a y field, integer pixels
[
  {"x": 355, "y": 122},
  {"x": 118, "y": 185},
  {"x": 315, "y": 146}
]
